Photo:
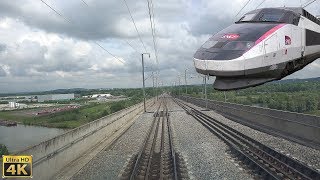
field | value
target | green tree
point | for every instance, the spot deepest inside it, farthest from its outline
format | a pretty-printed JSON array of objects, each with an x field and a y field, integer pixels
[{"x": 3, "y": 150}]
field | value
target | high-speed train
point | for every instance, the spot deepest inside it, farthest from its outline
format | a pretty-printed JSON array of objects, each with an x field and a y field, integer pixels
[{"x": 264, "y": 45}]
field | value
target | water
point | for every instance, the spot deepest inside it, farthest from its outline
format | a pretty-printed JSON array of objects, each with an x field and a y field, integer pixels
[{"x": 19, "y": 137}]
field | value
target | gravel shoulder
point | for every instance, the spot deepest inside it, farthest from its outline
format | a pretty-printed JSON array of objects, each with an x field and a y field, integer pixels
[
  {"x": 206, "y": 154},
  {"x": 302, "y": 153},
  {"x": 109, "y": 162}
]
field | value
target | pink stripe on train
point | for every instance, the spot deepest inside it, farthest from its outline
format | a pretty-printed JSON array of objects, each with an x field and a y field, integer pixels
[{"x": 268, "y": 33}]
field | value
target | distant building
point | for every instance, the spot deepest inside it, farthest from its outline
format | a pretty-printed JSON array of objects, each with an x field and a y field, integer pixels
[
  {"x": 13, "y": 104},
  {"x": 55, "y": 97},
  {"x": 101, "y": 95}
]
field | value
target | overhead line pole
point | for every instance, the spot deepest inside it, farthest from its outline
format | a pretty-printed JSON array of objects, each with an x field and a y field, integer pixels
[
  {"x": 143, "y": 82},
  {"x": 185, "y": 80},
  {"x": 205, "y": 91},
  {"x": 154, "y": 92},
  {"x": 179, "y": 85}
]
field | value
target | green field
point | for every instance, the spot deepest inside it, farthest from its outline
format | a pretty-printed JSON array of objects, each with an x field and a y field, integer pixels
[
  {"x": 73, "y": 118},
  {"x": 88, "y": 111}
]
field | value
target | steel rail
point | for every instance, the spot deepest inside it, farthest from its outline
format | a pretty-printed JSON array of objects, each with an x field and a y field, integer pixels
[
  {"x": 145, "y": 143},
  {"x": 151, "y": 163},
  {"x": 283, "y": 164},
  {"x": 173, "y": 156}
]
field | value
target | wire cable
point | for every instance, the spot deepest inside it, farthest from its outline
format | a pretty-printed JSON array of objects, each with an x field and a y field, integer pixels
[
  {"x": 260, "y": 4},
  {"x": 108, "y": 52},
  {"x": 132, "y": 46},
  {"x": 124, "y": 40},
  {"x": 134, "y": 23},
  {"x": 154, "y": 39},
  {"x": 85, "y": 3},
  {"x": 73, "y": 23},
  {"x": 59, "y": 14},
  {"x": 308, "y": 3},
  {"x": 242, "y": 8},
  {"x": 152, "y": 32}
]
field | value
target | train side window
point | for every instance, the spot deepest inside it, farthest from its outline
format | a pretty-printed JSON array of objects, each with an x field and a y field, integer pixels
[
  {"x": 295, "y": 20},
  {"x": 247, "y": 17}
]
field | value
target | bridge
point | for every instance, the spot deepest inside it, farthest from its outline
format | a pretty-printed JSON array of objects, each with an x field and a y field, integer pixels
[{"x": 181, "y": 138}]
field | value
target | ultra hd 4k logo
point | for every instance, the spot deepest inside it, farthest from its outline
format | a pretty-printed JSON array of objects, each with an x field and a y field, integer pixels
[{"x": 16, "y": 166}]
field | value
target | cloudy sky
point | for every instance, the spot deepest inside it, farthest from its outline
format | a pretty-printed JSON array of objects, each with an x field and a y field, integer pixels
[{"x": 40, "y": 50}]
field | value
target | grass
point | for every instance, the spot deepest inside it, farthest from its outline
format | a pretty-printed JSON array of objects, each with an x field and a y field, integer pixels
[
  {"x": 72, "y": 118},
  {"x": 316, "y": 112}
]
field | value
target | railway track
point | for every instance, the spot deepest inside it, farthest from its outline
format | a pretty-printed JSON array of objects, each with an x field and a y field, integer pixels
[
  {"x": 266, "y": 162},
  {"x": 157, "y": 158}
]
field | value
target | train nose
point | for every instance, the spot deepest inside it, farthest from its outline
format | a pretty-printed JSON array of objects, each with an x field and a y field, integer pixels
[
  {"x": 233, "y": 67},
  {"x": 219, "y": 58}
]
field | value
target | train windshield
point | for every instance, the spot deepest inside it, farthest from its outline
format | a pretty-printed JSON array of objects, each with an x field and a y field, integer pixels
[
  {"x": 238, "y": 45},
  {"x": 275, "y": 16},
  {"x": 265, "y": 15},
  {"x": 209, "y": 44},
  {"x": 212, "y": 44},
  {"x": 247, "y": 17}
]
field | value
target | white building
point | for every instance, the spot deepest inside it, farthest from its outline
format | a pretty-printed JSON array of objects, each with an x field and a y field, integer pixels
[
  {"x": 14, "y": 104},
  {"x": 55, "y": 97},
  {"x": 101, "y": 95}
]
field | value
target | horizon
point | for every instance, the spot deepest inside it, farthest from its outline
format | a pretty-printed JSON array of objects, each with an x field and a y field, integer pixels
[{"x": 112, "y": 88}]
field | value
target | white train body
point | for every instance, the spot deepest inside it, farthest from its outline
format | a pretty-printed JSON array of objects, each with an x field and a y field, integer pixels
[{"x": 254, "y": 50}]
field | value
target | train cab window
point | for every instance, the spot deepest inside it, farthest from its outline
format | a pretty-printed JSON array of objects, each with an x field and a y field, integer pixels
[
  {"x": 238, "y": 45},
  {"x": 247, "y": 17},
  {"x": 209, "y": 44},
  {"x": 213, "y": 44},
  {"x": 274, "y": 17}
]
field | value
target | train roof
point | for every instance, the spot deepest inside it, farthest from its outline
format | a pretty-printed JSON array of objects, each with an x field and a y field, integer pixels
[
  {"x": 288, "y": 11},
  {"x": 296, "y": 10}
]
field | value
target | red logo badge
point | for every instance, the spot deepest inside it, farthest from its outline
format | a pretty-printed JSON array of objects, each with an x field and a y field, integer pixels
[
  {"x": 287, "y": 40},
  {"x": 231, "y": 36}
]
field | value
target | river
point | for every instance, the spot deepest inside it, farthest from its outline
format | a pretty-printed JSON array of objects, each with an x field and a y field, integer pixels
[{"x": 19, "y": 137}]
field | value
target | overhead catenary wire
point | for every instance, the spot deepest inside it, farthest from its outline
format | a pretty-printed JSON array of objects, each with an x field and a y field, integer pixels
[
  {"x": 108, "y": 52},
  {"x": 84, "y": 2},
  {"x": 260, "y": 4},
  {"x": 152, "y": 32},
  {"x": 242, "y": 8},
  {"x": 151, "y": 16},
  {"x": 58, "y": 13},
  {"x": 132, "y": 47},
  {"x": 69, "y": 21},
  {"x": 124, "y": 40},
  {"x": 127, "y": 42},
  {"x": 308, "y": 3},
  {"x": 135, "y": 26},
  {"x": 154, "y": 24}
]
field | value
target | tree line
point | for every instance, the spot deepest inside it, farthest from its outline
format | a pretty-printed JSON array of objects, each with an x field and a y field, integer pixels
[{"x": 302, "y": 97}]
